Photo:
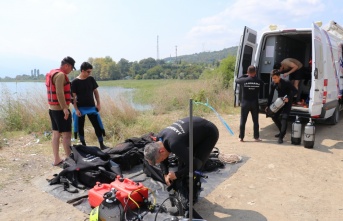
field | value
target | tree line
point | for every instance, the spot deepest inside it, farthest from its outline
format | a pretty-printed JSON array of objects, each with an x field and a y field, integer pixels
[{"x": 107, "y": 69}]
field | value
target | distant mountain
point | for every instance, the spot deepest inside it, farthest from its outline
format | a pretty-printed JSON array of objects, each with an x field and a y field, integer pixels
[{"x": 205, "y": 57}]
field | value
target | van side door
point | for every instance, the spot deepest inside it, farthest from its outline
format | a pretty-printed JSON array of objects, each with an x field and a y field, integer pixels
[
  {"x": 318, "y": 59},
  {"x": 245, "y": 57}
]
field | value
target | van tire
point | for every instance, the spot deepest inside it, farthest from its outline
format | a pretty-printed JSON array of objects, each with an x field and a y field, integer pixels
[{"x": 334, "y": 119}]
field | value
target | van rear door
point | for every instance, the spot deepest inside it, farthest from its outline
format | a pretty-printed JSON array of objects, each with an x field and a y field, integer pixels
[
  {"x": 245, "y": 57},
  {"x": 316, "y": 92}
]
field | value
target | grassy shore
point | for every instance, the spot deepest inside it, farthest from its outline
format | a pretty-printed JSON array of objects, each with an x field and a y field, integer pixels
[{"x": 169, "y": 100}]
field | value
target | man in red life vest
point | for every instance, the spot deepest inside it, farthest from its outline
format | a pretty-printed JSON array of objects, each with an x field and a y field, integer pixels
[{"x": 59, "y": 98}]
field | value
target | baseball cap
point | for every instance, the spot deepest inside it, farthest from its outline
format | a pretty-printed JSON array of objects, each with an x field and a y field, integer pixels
[{"x": 68, "y": 60}]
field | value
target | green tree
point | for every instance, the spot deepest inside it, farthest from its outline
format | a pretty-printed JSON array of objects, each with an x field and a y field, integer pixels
[
  {"x": 146, "y": 64},
  {"x": 104, "y": 68},
  {"x": 154, "y": 73},
  {"x": 124, "y": 67},
  {"x": 134, "y": 69},
  {"x": 114, "y": 71},
  {"x": 226, "y": 70}
]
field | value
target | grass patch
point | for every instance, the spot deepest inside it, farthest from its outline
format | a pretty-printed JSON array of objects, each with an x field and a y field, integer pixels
[{"x": 169, "y": 100}]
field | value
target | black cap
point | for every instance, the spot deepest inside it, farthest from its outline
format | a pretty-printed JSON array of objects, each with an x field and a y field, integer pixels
[{"x": 68, "y": 60}]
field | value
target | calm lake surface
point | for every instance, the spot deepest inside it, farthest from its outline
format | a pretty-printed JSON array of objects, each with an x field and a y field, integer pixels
[{"x": 29, "y": 89}]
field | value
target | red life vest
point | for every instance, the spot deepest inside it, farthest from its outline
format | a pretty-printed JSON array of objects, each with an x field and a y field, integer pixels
[{"x": 51, "y": 88}]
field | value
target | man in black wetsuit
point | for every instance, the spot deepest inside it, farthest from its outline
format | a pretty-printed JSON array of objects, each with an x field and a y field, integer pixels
[
  {"x": 175, "y": 139},
  {"x": 85, "y": 89},
  {"x": 251, "y": 85},
  {"x": 283, "y": 87}
]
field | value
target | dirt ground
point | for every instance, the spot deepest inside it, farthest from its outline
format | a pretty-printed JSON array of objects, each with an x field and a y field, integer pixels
[{"x": 277, "y": 182}]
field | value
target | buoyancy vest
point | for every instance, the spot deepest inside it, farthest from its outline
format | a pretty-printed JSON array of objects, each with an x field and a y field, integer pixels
[{"x": 51, "y": 88}]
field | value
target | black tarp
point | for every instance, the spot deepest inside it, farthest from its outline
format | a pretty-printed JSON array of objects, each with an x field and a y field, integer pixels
[{"x": 80, "y": 201}]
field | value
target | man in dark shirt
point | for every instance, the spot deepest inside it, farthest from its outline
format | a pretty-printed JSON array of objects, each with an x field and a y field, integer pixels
[
  {"x": 175, "y": 139},
  {"x": 84, "y": 89},
  {"x": 251, "y": 85},
  {"x": 283, "y": 87}
]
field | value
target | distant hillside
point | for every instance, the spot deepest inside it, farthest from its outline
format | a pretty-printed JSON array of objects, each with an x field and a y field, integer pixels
[{"x": 205, "y": 57}]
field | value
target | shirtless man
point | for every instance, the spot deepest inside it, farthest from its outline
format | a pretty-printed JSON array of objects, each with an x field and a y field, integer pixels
[{"x": 294, "y": 69}]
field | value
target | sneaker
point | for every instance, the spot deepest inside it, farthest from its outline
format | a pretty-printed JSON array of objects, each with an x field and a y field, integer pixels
[
  {"x": 277, "y": 135},
  {"x": 258, "y": 140},
  {"x": 280, "y": 141},
  {"x": 240, "y": 140}
]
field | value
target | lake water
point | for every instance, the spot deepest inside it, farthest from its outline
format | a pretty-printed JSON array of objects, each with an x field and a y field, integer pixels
[{"x": 29, "y": 89}]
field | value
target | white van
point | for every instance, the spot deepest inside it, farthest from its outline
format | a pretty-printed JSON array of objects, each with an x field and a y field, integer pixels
[{"x": 322, "y": 87}]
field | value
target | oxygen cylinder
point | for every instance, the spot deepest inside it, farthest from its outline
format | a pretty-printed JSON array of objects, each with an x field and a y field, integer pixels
[
  {"x": 309, "y": 135},
  {"x": 277, "y": 105},
  {"x": 111, "y": 209},
  {"x": 296, "y": 132}
]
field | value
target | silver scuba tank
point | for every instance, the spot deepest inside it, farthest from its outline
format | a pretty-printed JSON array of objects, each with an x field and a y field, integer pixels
[
  {"x": 276, "y": 106},
  {"x": 110, "y": 208},
  {"x": 309, "y": 134},
  {"x": 296, "y": 132}
]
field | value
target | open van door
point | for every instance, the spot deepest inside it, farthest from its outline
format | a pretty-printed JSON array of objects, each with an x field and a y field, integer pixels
[
  {"x": 245, "y": 57},
  {"x": 317, "y": 75}
]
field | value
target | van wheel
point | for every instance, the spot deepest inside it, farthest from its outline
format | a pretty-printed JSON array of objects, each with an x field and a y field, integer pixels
[{"x": 335, "y": 117}]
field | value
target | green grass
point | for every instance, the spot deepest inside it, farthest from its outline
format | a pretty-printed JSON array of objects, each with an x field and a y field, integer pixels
[
  {"x": 169, "y": 100},
  {"x": 146, "y": 89}
]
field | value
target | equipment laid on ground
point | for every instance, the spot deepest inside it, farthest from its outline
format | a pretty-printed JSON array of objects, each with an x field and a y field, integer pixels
[
  {"x": 309, "y": 135},
  {"x": 110, "y": 208},
  {"x": 276, "y": 106},
  {"x": 131, "y": 194},
  {"x": 296, "y": 132},
  {"x": 96, "y": 194}
]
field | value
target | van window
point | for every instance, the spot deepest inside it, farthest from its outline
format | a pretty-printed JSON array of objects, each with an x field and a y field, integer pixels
[
  {"x": 247, "y": 58},
  {"x": 252, "y": 38}
]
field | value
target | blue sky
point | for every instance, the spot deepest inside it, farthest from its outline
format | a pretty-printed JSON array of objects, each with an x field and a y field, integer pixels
[{"x": 39, "y": 33}]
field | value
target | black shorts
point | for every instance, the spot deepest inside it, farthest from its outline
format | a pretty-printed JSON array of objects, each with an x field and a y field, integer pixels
[
  {"x": 297, "y": 75},
  {"x": 58, "y": 122}
]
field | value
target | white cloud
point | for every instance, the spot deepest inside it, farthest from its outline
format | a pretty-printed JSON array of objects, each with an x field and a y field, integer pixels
[{"x": 224, "y": 29}]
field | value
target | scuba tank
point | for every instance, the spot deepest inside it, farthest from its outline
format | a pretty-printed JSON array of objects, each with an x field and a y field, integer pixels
[
  {"x": 110, "y": 209},
  {"x": 309, "y": 135},
  {"x": 276, "y": 106},
  {"x": 296, "y": 132}
]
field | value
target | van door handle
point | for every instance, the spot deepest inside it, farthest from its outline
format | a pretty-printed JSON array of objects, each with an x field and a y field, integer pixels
[
  {"x": 316, "y": 73},
  {"x": 316, "y": 90}
]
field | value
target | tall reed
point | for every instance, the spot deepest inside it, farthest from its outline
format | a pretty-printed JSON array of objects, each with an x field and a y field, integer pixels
[
  {"x": 169, "y": 100},
  {"x": 28, "y": 113}
]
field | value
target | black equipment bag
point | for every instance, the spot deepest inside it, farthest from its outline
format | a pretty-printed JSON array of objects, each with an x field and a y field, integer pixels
[
  {"x": 127, "y": 160},
  {"x": 131, "y": 152},
  {"x": 86, "y": 166}
]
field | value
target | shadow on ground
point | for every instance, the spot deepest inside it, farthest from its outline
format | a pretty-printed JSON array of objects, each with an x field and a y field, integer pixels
[
  {"x": 219, "y": 213},
  {"x": 327, "y": 137}
]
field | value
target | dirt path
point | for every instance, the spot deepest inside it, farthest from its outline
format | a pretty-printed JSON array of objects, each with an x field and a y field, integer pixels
[
  {"x": 277, "y": 182},
  {"x": 280, "y": 182}
]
